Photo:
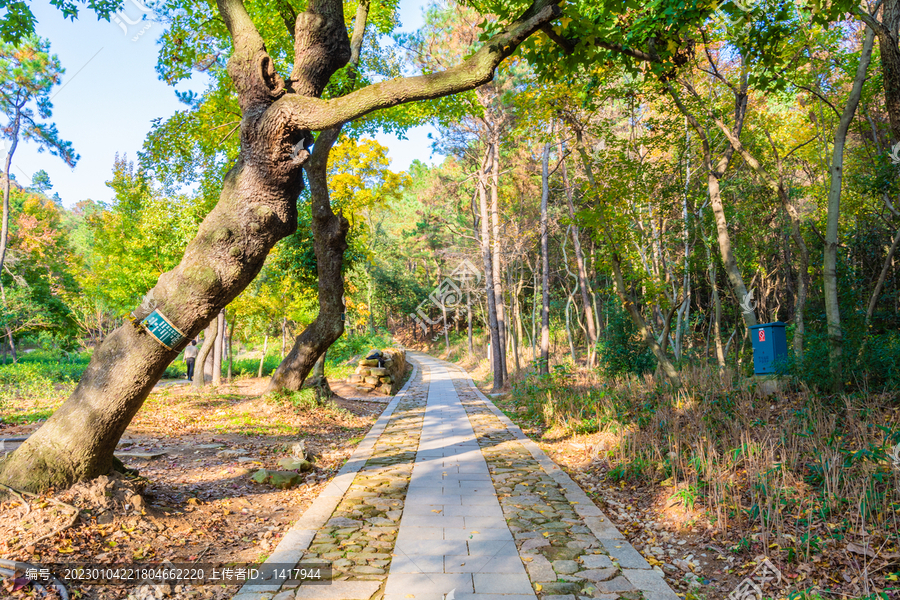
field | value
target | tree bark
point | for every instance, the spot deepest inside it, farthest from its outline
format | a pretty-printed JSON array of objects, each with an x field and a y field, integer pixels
[
  {"x": 262, "y": 360},
  {"x": 714, "y": 173},
  {"x": 513, "y": 318},
  {"x": 319, "y": 382},
  {"x": 829, "y": 274},
  {"x": 873, "y": 300},
  {"x": 4, "y": 228},
  {"x": 545, "y": 260},
  {"x": 496, "y": 262},
  {"x": 209, "y": 342},
  {"x": 665, "y": 365},
  {"x": 889, "y": 50},
  {"x": 469, "y": 322},
  {"x": 485, "y": 240},
  {"x": 218, "y": 349},
  {"x": 329, "y": 242},
  {"x": 231, "y": 348}
]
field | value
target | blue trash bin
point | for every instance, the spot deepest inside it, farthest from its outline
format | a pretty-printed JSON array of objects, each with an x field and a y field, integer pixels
[{"x": 769, "y": 346}]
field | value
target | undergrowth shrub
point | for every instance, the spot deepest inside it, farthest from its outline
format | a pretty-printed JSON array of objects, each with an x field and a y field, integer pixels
[
  {"x": 619, "y": 350},
  {"x": 869, "y": 362},
  {"x": 798, "y": 470}
]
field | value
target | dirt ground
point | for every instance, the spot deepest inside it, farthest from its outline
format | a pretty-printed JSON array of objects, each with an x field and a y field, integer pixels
[{"x": 193, "y": 501}]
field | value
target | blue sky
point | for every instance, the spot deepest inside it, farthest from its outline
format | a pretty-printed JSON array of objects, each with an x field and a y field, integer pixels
[{"x": 110, "y": 94}]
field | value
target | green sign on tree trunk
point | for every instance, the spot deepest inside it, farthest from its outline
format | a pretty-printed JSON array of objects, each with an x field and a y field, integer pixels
[{"x": 165, "y": 333}]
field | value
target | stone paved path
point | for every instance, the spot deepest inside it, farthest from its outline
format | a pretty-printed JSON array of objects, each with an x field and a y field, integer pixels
[{"x": 446, "y": 499}]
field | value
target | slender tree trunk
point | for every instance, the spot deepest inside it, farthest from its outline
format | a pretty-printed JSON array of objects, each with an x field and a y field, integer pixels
[
  {"x": 717, "y": 313},
  {"x": 579, "y": 263},
  {"x": 665, "y": 365},
  {"x": 829, "y": 274},
  {"x": 4, "y": 228},
  {"x": 231, "y": 348},
  {"x": 534, "y": 305},
  {"x": 218, "y": 349},
  {"x": 9, "y": 332},
  {"x": 444, "y": 320},
  {"x": 496, "y": 261},
  {"x": 513, "y": 318},
  {"x": 724, "y": 238},
  {"x": 485, "y": 238},
  {"x": 714, "y": 173},
  {"x": 469, "y": 323},
  {"x": 209, "y": 342},
  {"x": 684, "y": 313},
  {"x": 800, "y": 299},
  {"x": 873, "y": 300},
  {"x": 262, "y": 360},
  {"x": 545, "y": 261}
]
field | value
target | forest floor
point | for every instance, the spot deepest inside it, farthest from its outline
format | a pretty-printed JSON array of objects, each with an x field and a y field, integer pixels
[
  {"x": 699, "y": 560},
  {"x": 194, "y": 502},
  {"x": 658, "y": 526}
]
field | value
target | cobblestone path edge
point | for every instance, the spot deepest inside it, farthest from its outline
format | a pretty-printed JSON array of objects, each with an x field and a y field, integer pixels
[{"x": 297, "y": 540}]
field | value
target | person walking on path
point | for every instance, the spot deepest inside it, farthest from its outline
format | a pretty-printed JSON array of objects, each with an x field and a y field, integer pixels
[{"x": 190, "y": 355}]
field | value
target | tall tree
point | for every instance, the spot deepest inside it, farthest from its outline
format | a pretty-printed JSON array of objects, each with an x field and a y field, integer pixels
[
  {"x": 257, "y": 207},
  {"x": 28, "y": 73},
  {"x": 836, "y": 173}
]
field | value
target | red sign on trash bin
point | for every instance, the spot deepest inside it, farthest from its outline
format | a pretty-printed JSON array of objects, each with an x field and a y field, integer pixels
[{"x": 762, "y": 335}]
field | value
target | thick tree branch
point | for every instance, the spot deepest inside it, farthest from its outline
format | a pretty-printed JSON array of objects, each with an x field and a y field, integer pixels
[
  {"x": 359, "y": 32},
  {"x": 294, "y": 111},
  {"x": 250, "y": 67},
  {"x": 566, "y": 44}
]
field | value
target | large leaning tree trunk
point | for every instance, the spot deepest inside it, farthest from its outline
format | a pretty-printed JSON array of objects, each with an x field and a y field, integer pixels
[
  {"x": 257, "y": 207},
  {"x": 330, "y": 242}
]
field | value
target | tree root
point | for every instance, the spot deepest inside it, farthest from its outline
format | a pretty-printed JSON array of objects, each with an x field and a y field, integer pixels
[
  {"x": 21, "y": 499},
  {"x": 55, "y": 501}
]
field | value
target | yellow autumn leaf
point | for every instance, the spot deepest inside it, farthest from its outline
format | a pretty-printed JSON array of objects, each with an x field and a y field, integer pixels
[{"x": 538, "y": 587}]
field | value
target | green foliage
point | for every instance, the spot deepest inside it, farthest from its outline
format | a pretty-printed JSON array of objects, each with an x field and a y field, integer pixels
[
  {"x": 304, "y": 399},
  {"x": 869, "y": 362},
  {"x": 28, "y": 73},
  {"x": 619, "y": 349},
  {"x": 249, "y": 367},
  {"x": 347, "y": 346}
]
